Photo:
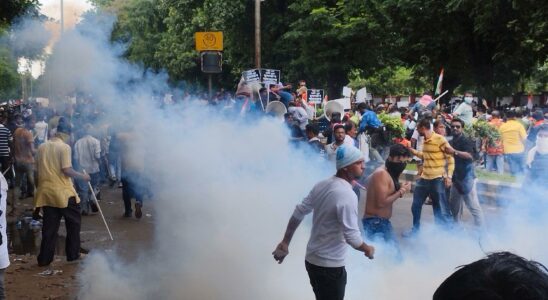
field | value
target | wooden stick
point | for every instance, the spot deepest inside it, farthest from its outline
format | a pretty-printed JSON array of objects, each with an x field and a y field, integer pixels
[
  {"x": 98, "y": 206},
  {"x": 446, "y": 91}
]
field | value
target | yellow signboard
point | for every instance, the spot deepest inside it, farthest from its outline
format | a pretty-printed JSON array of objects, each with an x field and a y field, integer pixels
[{"x": 209, "y": 41}]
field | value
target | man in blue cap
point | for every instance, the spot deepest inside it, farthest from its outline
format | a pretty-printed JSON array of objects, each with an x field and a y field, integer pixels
[{"x": 334, "y": 225}]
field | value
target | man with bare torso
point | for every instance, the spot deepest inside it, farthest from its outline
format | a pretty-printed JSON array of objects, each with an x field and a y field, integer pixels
[{"x": 383, "y": 190}]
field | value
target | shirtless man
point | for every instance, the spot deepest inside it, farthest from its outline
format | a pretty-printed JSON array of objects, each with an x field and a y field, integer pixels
[{"x": 383, "y": 190}]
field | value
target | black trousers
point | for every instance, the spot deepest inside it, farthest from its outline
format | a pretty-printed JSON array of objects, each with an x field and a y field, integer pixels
[
  {"x": 327, "y": 283},
  {"x": 131, "y": 188},
  {"x": 52, "y": 220}
]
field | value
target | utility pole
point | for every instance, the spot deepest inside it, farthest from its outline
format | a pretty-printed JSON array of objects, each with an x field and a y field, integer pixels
[
  {"x": 62, "y": 18},
  {"x": 257, "y": 34}
]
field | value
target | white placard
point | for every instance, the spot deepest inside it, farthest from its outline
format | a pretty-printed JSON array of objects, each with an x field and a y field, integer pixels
[
  {"x": 347, "y": 92},
  {"x": 361, "y": 95},
  {"x": 345, "y": 102},
  {"x": 402, "y": 104}
]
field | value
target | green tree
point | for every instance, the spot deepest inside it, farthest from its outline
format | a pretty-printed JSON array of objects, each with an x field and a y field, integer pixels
[
  {"x": 487, "y": 46},
  {"x": 391, "y": 81},
  {"x": 9, "y": 78}
]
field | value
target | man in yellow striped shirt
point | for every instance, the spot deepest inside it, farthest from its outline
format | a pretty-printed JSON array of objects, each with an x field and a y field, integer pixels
[{"x": 432, "y": 182}]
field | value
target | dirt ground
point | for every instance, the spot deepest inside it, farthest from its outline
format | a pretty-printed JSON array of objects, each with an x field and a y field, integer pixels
[{"x": 26, "y": 280}]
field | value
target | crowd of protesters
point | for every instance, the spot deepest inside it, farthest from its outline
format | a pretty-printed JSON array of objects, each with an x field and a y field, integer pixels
[
  {"x": 446, "y": 155},
  {"x": 61, "y": 158}
]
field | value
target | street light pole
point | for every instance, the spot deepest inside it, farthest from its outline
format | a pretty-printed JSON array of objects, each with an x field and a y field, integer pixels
[
  {"x": 257, "y": 34},
  {"x": 62, "y": 18}
]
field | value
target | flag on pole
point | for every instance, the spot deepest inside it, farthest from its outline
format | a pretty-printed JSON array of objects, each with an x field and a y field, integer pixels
[{"x": 438, "y": 86}]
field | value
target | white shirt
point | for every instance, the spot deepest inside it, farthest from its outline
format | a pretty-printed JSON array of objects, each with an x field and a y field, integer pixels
[
  {"x": 41, "y": 131},
  {"x": 4, "y": 256},
  {"x": 334, "y": 222},
  {"x": 87, "y": 152},
  {"x": 300, "y": 115},
  {"x": 331, "y": 149},
  {"x": 465, "y": 113}
]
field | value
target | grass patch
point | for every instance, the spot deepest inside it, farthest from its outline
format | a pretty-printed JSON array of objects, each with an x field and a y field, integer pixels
[
  {"x": 480, "y": 173},
  {"x": 485, "y": 175},
  {"x": 411, "y": 167}
]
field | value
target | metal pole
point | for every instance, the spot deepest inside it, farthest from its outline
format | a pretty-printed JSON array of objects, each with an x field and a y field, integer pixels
[
  {"x": 62, "y": 18},
  {"x": 210, "y": 84},
  {"x": 258, "y": 34}
]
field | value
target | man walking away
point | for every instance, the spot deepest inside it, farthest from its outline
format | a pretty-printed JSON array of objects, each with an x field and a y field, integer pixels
[
  {"x": 23, "y": 146},
  {"x": 334, "y": 224},
  {"x": 513, "y": 138},
  {"x": 87, "y": 153},
  {"x": 56, "y": 195}
]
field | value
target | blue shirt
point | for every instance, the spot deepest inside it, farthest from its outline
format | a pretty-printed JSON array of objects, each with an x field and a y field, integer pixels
[{"x": 369, "y": 119}]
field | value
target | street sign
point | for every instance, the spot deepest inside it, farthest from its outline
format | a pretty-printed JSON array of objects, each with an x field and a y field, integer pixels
[
  {"x": 212, "y": 62},
  {"x": 270, "y": 76},
  {"x": 209, "y": 41},
  {"x": 252, "y": 76},
  {"x": 315, "y": 96}
]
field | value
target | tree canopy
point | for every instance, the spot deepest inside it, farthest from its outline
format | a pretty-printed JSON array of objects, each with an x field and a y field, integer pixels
[{"x": 494, "y": 48}]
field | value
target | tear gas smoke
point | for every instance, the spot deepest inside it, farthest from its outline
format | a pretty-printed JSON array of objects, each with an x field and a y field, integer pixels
[
  {"x": 28, "y": 38},
  {"x": 224, "y": 191}
]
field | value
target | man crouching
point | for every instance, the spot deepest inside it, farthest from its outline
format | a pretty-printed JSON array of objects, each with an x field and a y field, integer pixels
[{"x": 383, "y": 190}]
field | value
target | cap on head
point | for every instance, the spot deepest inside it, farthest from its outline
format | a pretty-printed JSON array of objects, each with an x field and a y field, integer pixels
[{"x": 347, "y": 155}]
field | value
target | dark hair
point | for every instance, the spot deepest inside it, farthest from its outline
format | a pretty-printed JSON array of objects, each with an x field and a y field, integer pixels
[
  {"x": 338, "y": 126},
  {"x": 399, "y": 150},
  {"x": 495, "y": 113},
  {"x": 501, "y": 275},
  {"x": 291, "y": 103},
  {"x": 362, "y": 106},
  {"x": 458, "y": 121},
  {"x": 63, "y": 125},
  {"x": 287, "y": 115},
  {"x": 349, "y": 126},
  {"x": 424, "y": 123},
  {"x": 336, "y": 117},
  {"x": 315, "y": 129},
  {"x": 511, "y": 114}
]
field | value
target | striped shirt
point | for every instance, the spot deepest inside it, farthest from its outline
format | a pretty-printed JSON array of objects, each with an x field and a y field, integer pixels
[
  {"x": 5, "y": 138},
  {"x": 434, "y": 157}
]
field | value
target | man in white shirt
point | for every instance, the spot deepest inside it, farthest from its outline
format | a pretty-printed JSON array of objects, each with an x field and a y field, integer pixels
[
  {"x": 334, "y": 225},
  {"x": 87, "y": 153},
  {"x": 464, "y": 111},
  {"x": 300, "y": 115},
  {"x": 339, "y": 133},
  {"x": 40, "y": 132}
]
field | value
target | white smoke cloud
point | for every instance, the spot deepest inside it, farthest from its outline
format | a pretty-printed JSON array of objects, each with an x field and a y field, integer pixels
[
  {"x": 28, "y": 38},
  {"x": 224, "y": 191}
]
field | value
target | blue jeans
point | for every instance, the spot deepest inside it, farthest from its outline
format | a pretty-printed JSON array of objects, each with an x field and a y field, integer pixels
[
  {"x": 84, "y": 193},
  {"x": 435, "y": 188},
  {"x": 516, "y": 162},
  {"x": 495, "y": 162},
  {"x": 378, "y": 228}
]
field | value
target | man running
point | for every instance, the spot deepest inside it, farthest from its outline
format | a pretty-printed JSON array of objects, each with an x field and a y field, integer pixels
[{"x": 334, "y": 224}]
